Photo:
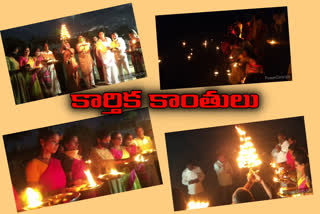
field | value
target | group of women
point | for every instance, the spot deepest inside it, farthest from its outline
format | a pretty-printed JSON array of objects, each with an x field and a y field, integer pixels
[
  {"x": 60, "y": 164},
  {"x": 45, "y": 73}
]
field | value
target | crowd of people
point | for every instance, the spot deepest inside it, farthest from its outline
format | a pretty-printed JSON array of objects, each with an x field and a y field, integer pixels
[
  {"x": 60, "y": 164},
  {"x": 41, "y": 73},
  {"x": 244, "y": 48},
  {"x": 287, "y": 154}
]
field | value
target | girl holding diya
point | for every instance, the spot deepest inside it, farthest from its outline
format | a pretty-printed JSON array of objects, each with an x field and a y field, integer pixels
[
  {"x": 28, "y": 64},
  {"x": 45, "y": 171},
  {"x": 130, "y": 180},
  {"x": 303, "y": 171},
  {"x": 86, "y": 61},
  {"x": 19, "y": 85}
]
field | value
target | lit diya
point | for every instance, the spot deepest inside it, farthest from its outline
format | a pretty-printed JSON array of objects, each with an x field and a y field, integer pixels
[
  {"x": 114, "y": 174},
  {"x": 32, "y": 199},
  {"x": 90, "y": 185},
  {"x": 140, "y": 159},
  {"x": 285, "y": 192},
  {"x": 62, "y": 198},
  {"x": 272, "y": 42},
  {"x": 197, "y": 205},
  {"x": 148, "y": 151}
]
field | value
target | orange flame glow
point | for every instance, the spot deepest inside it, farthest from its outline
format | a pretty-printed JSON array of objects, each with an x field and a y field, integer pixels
[{"x": 197, "y": 205}]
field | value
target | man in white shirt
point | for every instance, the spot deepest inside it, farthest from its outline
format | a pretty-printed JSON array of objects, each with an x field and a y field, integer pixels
[
  {"x": 103, "y": 49},
  {"x": 224, "y": 173},
  {"x": 192, "y": 177},
  {"x": 118, "y": 46},
  {"x": 279, "y": 153}
]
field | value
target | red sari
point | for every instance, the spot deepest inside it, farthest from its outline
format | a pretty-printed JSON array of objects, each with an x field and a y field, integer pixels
[{"x": 53, "y": 178}]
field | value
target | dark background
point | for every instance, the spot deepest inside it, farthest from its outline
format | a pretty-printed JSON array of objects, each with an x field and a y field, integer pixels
[
  {"x": 21, "y": 147},
  {"x": 194, "y": 28},
  {"x": 202, "y": 145},
  {"x": 118, "y": 19}
]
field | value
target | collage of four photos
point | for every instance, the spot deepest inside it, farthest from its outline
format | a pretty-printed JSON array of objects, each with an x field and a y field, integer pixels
[{"x": 104, "y": 155}]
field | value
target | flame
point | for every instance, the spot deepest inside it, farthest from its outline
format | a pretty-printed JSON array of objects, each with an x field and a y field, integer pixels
[
  {"x": 88, "y": 161},
  {"x": 240, "y": 131},
  {"x": 272, "y": 42},
  {"x": 235, "y": 64},
  {"x": 205, "y": 43},
  {"x": 275, "y": 179},
  {"x": 115, "y": 172},
  {"x": 146, "y": 151},
  {"x": 218, "y": 48},
  {"x": 230, "y": 57},
  {"x": 282, "y": 189},
  {"x": 91, "y": 181},
  {"x": 134, "y": 41},
  {"x": 273, "y": 165},
  {"x": 140, "y": 158},
  {"x": 197, "y": 205},
  {"x": 40, "y": 65},
  {"x": 189, "y": 57},
  {"x": 184, "y": 43},
  {"x": 64, "y": 33},
  {"x": 159, "y": 60},
  {"x": 248, "y": 158},
  {"x": 33, "y": 198}
]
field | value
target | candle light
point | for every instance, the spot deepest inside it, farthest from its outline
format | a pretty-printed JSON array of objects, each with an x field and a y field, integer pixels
[
  {"x": 33, "y": 198},
  {"x": 91, "y": 181},
  {"x": 248, "y": 158},
  {"x": 64, "y": 33},
  {"x": 197, "y": 205}
]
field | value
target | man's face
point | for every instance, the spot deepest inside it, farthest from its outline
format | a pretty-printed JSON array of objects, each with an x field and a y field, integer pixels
[
  {"x": 281, "y": 138},
  {"x": 101, "y": 35},
  {"x": 46, "y": 47},
  {"x": 95, "y": 39}
]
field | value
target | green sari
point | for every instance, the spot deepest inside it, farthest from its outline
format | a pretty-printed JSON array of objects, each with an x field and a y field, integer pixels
[
  {"x": 18, "y": 82},
  {"x": 129, "y": 181}
]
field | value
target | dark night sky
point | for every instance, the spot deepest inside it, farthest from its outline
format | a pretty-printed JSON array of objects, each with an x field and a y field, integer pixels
[
  {"x": 29, "y": 139},
  {"x": 201, "y": 145},
  {"x": 207, "y": 24},
  {"x": 110, "y": 17}
]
